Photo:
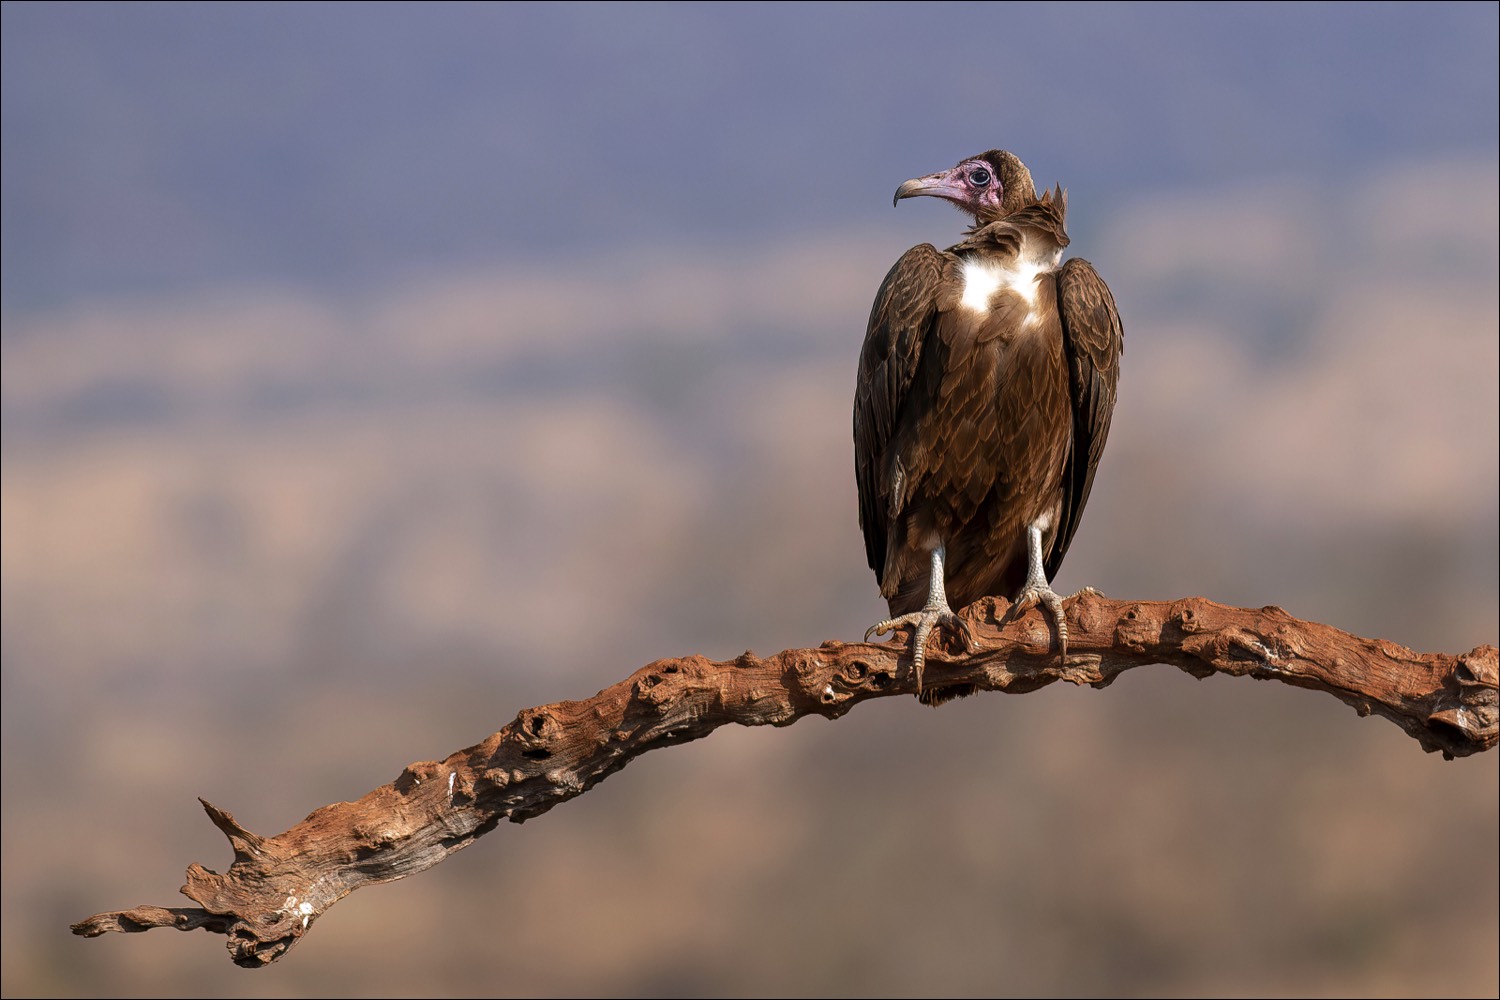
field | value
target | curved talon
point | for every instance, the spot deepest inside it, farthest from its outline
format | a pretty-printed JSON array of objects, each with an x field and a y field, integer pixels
[
  {"x": 1049, "y": 598},
  {"x": 924, "y": 622}
]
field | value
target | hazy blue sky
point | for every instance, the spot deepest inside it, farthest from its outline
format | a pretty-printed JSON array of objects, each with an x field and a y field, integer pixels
[{"x": 170, "y": 147}]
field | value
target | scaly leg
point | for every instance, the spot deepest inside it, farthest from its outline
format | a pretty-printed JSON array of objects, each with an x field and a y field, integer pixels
[
  {"x": 1038, "y": 591},
  {"x": 935, "y": 612}
]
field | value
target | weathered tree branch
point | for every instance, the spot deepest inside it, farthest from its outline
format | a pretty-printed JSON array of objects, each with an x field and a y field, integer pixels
[{"x": 277, "y": 886}]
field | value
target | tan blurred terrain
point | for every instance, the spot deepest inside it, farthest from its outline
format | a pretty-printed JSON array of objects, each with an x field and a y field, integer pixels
[{"x": 267, "y": 549}]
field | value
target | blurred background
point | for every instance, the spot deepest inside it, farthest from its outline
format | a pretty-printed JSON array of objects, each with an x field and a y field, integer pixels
[{"x": 373, "y": 373}]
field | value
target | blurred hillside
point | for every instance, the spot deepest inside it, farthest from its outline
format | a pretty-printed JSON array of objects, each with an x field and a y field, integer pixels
[{"x": 293, "y": 495}]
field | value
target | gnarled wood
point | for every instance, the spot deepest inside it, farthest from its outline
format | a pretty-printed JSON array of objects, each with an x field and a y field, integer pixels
[{"x": 278, "y": 886}]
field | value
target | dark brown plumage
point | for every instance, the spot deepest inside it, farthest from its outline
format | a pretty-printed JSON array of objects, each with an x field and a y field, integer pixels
[{"x": 986, "y": 385}]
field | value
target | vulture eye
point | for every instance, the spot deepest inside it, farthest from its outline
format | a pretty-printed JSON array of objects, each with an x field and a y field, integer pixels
[{"x": 980, "y": 177}]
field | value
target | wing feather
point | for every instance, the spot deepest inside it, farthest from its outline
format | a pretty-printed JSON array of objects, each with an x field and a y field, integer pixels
[
  {"x": 903, "y": 316},
  {"x": 1093, "y": 340}
]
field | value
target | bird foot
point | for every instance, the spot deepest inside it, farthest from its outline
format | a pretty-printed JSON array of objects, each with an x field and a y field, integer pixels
[
  {"x": 924, "y": 622},
  {"x": 1040, "y": 593}
]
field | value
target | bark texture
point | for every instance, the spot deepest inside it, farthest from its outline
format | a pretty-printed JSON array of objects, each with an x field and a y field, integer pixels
[{"x": 278, "y": 886}]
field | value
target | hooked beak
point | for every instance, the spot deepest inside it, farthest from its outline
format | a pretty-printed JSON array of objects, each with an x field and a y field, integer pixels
[{"x": 945, "y": 184}]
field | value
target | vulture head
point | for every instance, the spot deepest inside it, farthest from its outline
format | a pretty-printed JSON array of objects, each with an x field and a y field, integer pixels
[{"x": 988, "y": 187}]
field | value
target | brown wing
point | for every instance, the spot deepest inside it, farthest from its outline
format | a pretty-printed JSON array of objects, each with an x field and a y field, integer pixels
[
  {"x": 904, "y": 315},
  {"x": 1093, "y": 340}
]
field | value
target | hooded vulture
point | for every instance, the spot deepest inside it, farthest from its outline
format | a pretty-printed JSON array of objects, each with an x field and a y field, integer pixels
[{"x": 986, "y": 385}]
